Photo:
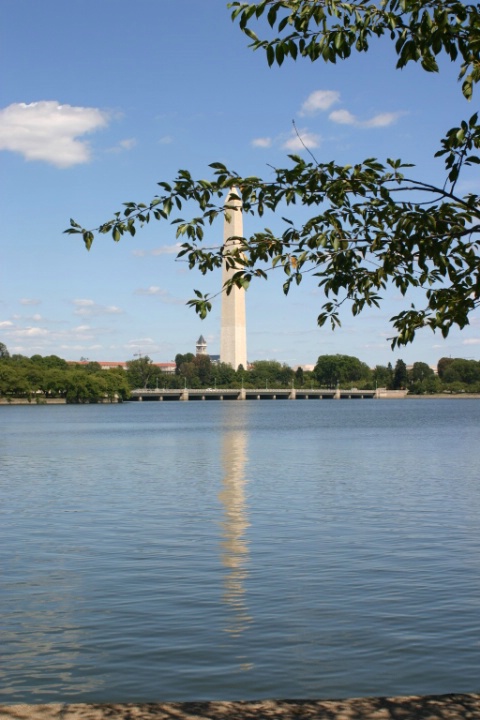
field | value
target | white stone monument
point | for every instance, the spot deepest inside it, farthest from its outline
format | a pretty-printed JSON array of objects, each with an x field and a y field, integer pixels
[{"x": 233, "y": 333}]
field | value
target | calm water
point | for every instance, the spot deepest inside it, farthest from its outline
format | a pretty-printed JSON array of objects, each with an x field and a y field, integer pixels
[{"x": 179, "y": 551}]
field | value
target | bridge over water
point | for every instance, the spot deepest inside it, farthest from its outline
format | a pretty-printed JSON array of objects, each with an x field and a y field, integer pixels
[{"x": 185, "y": 394}]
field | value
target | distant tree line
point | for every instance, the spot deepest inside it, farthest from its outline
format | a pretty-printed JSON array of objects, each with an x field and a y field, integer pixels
[
  {"x": 455, "y": 375},
  {"x": 41, "y": 378}
]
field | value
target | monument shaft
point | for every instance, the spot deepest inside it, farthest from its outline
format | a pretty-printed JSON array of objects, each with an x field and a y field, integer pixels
[{"x": 233, "y": 333}]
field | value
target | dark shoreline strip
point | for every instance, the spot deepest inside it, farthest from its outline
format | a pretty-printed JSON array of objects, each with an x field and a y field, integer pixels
[{"x": 411, "y": 707}]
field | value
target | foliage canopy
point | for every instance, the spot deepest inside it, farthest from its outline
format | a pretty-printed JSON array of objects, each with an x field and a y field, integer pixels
[{"x": 370, "y": 225}]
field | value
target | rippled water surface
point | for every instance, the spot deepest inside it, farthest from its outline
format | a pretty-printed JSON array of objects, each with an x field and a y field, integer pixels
[{"x": 209, "y": 550}]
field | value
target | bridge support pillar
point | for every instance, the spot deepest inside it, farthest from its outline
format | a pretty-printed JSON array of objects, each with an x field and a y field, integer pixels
[{"x": 184, "y": 395}]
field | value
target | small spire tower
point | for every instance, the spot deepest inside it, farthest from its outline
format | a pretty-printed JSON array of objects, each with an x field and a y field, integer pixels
[{"x": 201, "y": 346}]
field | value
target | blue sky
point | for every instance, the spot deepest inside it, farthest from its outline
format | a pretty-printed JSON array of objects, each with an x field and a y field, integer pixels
[{"x": 101, "y": 99}]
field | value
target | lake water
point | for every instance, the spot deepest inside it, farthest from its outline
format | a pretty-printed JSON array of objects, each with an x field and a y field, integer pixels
[{"x": 239, "y": 550}]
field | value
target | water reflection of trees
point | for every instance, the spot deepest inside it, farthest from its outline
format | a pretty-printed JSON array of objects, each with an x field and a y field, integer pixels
[{"x": 234, "y": 544}]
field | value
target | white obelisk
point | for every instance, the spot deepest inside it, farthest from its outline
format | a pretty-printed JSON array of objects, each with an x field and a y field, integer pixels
[{"x": 233, "y": 333}]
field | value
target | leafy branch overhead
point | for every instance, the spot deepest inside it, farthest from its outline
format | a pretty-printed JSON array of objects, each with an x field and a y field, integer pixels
[{"x": 370, "y": 225}]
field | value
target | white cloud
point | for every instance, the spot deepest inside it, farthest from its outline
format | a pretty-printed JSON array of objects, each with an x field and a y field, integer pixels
[
  {"x": 31, "y": 332},
  {"x": 141, "y": 346},
  {"x": 49, "y": 132},
  {"x": 124, "y": 145},
  {"x": 166, "y": 140},
  {"x": 471, "y": 341},
  {"x": 30, "y": 301},
  {"x": 345, "y": 117},
  {"x": 164, "y": 250},
  {"x": 89, "y": 308},
  {"x": 167, "y": 249},
  {"x": 304, "y": 140},
  {"x": 262, "y": 142},
  {"x": 382, "y": 120},
  {"x": 36, "y": 317},
  {"x": 6, "y": 324},
  {"x": 128, "y": 143},
  {"x": 152, "y": 290},
  {"x": 319, "y": 101},
  {"x": 163, "y": 295}
]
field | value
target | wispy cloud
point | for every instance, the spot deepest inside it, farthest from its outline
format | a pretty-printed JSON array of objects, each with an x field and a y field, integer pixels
[
  {"x": 342, "y": 117},
  {"x": 89, "y": 308},
  {"x": 124, "y": 145},
  {"x": 128, "y": 143},
  {"x": 48, "y": 131},
  {"x": 345, "y": 117},
  {"x": 166, "y": 140},
  {"x": 319, "y": 101},
  {"x": 143, "y": 346},
  {"x": 30, "y": 332},
  {"x": 163, "y": 295},
  {"x": 262, "y": 142},
  {"x": 30, "y": 301},
  {"x": 302, "y": 139},
  {"x": 164, "y": 250},
  {"x": 471, "y": 341},
  {"x": 36, "y": 317}
]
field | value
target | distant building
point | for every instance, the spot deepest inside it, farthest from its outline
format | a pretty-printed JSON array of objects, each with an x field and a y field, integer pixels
[
  {"x": 305, "y": 368},
  {"x": 168, "y": 367},
  {"x": 201, "y": 347}
]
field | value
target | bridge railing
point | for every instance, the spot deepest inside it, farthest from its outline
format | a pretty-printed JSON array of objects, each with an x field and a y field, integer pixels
[{"x": 253, "y": 394}]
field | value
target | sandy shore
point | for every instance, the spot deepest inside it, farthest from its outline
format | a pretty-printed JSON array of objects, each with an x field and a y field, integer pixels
[{"x": 428, "y": 707}]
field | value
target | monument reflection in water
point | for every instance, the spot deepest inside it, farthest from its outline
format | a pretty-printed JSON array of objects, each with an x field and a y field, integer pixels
[{"x": 235, "y": 552}]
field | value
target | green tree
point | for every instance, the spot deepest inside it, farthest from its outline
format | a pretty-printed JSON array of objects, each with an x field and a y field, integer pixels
[
  {"x": 269, "y": 373},
  {"x": 442, "y": 365},
  {"x": 53, "y": 382},
  {"x": 299, "y": 376},
  {"x": 14, "y": 381},
  {"x": 370, "y": 224},
  {"x": 431, "y": 385},
  {"x": 383, "y": 375},
  {"x": 3, "y": 351},
  {"x": 204, "y": 369},
  {"x": 115, "y": 384},
  {"x": 93, "y": 367},
  {"x": 400, "y": 376},
  {"x": 140, "y": 372},
  {"x": 51, "y": 361},
  {"x": 180, "y": 359},
  {"x": 419, "y": 379},
  {"x": 463, "y": 371},
  {"x": 420, "y": 371},
  {"x": 225, "y": 375},
  {"x": 82, "y": 387},
  {"x": 332, "y": 370}
]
